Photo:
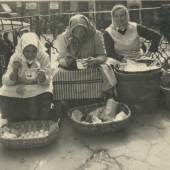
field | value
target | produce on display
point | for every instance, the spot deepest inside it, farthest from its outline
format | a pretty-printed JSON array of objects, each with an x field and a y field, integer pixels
[
  {"x": 31, "y": 131},
  {"x": 100, "y": 114},
  {"x": 132, "y": 66}
]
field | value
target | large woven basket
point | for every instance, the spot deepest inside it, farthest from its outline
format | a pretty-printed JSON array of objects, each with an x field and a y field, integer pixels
[
  {"x": 141, "y": 89},
  {"x": 17, "y": 143},
  {"x": 99, "y": 128}
]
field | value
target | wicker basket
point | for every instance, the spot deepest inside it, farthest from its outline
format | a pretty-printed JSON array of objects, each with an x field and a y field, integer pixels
[
  {"x": 51, "y": 127},
  {"x": 139, "y": 90},
  {"x": 99, "y": 128}
]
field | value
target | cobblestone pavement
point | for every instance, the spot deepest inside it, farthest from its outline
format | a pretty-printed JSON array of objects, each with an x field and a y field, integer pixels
[{"x": 143, "y": 145}]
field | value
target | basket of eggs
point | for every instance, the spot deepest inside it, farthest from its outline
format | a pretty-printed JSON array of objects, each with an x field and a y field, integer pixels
[{"x": 29, "y": 134}]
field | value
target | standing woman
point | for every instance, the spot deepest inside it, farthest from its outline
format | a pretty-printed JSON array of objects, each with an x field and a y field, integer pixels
[
  {"x": 122, "y": 37},
  {"x": 81, "y": 73},
  {"x": 10, "y": 48},
  {"x": 26, "y": 93}
]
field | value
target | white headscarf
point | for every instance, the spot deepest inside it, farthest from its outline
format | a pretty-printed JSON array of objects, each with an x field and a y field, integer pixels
[
  {"x": 26, "y": 39},
  {"x": 118, "y": 7}
]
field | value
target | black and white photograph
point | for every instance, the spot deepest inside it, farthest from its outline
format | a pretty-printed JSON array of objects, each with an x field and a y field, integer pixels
[{"x": 85, "y": 84}]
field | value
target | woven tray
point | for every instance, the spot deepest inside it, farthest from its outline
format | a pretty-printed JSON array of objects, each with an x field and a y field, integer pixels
[
  {"x": 50, "y": 127},
  {"x": 99, "y": 128}
]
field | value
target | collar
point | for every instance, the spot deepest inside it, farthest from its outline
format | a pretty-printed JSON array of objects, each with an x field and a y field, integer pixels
[{"x": 122, "y": 31}]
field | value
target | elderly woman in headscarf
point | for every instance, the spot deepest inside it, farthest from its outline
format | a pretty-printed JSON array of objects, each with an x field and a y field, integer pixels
[
  {"x": 122, "y": 37},
  {"x": 26, "y": 93},
  {"x": 82, "y": 73}
]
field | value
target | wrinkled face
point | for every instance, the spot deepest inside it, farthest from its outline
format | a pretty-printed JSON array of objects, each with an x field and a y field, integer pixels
[
  {"x": 120, "y": 18},
  {"x": 79, "y": 32},
  {"x": 30, "y": 52}
]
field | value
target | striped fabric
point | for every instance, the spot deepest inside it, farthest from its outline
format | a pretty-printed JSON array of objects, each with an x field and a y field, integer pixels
[{"x": 80, "y": 84}]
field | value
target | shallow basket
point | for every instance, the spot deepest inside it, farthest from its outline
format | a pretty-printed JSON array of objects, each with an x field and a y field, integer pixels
[
  {"x": 99, "y": 128},
  {"x": 16, "y": 143}
]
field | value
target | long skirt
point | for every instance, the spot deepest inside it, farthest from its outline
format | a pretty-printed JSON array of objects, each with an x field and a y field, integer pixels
[{"x": 33, "y": 108}]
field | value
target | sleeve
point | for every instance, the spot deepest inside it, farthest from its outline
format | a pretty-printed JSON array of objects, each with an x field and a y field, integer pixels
[
  {"x": 99, "y": 44},
  {"x": 62, "y": 49},
  {"x": 151, "y": 35},
  {"x": 6, "y": 77},
  {"x": 109, "y": 44},
  {"x": 46, "y": 65}
]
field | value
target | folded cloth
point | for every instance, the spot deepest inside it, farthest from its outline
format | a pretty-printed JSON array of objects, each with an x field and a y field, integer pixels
[{"x": 109, "y": 78}]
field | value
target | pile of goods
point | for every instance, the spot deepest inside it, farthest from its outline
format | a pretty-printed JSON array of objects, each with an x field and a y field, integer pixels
[
  {"x": 30, "y": 134},
  {"x": 26, "y": 131},
  {"x": 107, "y": 113},
  {"x": 139, "y": 66}
]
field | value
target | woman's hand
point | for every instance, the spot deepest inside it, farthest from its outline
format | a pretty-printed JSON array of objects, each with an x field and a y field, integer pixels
[
  {"x": 41, "y": 76},
  {"x": 70, "y": 60},
  {"x": 91, "y": 61},
  {"x": 16, "y": 65}
]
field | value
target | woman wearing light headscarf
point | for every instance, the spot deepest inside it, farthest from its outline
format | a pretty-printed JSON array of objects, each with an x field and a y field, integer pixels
[
  {"x": 81, "y": 74},
  {"x": 27, "y": 92},
  {"x": 122, "y": 37}
]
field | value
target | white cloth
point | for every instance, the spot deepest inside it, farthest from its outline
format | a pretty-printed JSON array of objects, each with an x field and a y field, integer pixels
[{"x": 29, "y": 90}]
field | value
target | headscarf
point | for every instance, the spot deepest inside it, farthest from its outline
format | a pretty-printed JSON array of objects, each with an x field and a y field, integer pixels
[
  {"x": 117, "y": 7},
  {"x": 26, "y": 39},
  {"x": 75, "y": 21}
]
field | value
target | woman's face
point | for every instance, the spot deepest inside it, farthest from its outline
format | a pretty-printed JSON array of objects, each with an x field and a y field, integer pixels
[
  {"x": 120, "y": 18},
  {"x": 79, "y": 32},
  {"x": 30, "y": 52}
]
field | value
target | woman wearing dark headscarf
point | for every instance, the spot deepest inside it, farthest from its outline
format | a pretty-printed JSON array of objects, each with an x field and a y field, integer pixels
[
  {"x": 81, "y": 57},
  {"x": 10, "y": 48},
  {"x": 122, "y": 37}
]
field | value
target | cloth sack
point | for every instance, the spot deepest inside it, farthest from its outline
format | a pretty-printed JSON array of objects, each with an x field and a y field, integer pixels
[{"x": 109, "y": 78}]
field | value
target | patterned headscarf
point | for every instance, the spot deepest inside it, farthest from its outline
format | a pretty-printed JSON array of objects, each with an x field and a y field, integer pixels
[{"x": 75, "y": 21}]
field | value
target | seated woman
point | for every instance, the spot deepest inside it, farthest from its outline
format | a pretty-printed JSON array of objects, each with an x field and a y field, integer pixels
[
  {"x": 122, "y": 37},
  {"x": 81, "y": 73},
  {"x": 26, "y": 93}
]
